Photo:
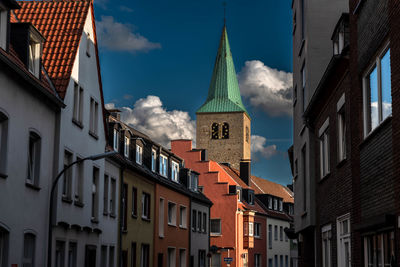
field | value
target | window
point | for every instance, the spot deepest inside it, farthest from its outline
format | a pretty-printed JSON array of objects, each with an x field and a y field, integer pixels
[
  {"x": 161, "y": 218},
  {"x": 270, "y": 264},
  {"x": 281, "y": 233},
  {"x": 28, "y": 259},
  {"x": 341, "y": 124},
  {"x": 275, "y": 232},
  {"x": 145, "y": 255},
  {"x": 251, "y": 229},
  {"x": 270, "y": 236},
  {"x": 286, "y": 261},
  {"x": 202, "y": 258},
  {"x": 72, "y": 253},
  {"x": 324, "y": 148},
  {"x": 199, "y": 221},
  {"x": 34, "y": 159},
  {"x": 105, "y": 194},
  {"x": 3, "y": 247},
  {"x": 103, "y": 255},
  {"x": 377, "y": 92},
  {"x": 3, "y": 137},
  {"x": 194, "y": 220},
  {"x": 304, "y": 162},
  {"x": 171, "y": 257},
  {"x": 139, "y": 154},
  {"x": 124, "y": 205},
  {"x": 134, "y": 201},
  {"x": 247, "y": 134},
  {"x": 153, "y": 160},
  {"x": 126, "y": 146},
  {"x": 115, "y": 139},
  {"x": 111, "y": 257},
  {"x": 344, "y": 241},
  {"x": 225, "y": 130},
  {"x": 171, "y": 213},
  {"x": 270, "y": 203},
  {"x": 163, "y": 165},
  {"x": 286, "y": 237},
  {"x": 326, "y": 246},
  {"x": 78, "y": 104},
  {"x": 257, "y": 260},
  {"x": 275, "y": 204},
  {"x": 303, "y": 87},
  {"x": 280, "y": 205},
  {"x": 34, "y": 55},
  {"x": 204, "y": 226},
  {"x": 3, "y": 29},
  {"x": 79, "y": 176},
  {"x": 379, "y": 249},
  {"x": 182, "y": 217},
  {"x": 194, "y": 178},
  {"x": 133, "y": 254},
  {"x": 281, "y": 260},
  {"x": 145, "y": 206},
  {"x": 88, "y": 44},
  {"x": 215, "y": 226},
  {"x": 276, "y": 260},
  {"x": 60, "y": 253},
  {"x": 67, "y": 179},
  {"x": 113, "y": 196},
  {"x": 257, "y": 230},
  {"x": 175, "y": 171},
  {"x": 94, "y": 116},
  {"x": 339, "y": 39},
  {"x": 216, "y": 260},
  {"x": 95, "y": 193},
  {"x": 182, "y": 258},
  {"x": 215, "y": 131}
]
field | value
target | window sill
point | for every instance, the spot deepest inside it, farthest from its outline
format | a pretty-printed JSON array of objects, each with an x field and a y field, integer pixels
[
  {"x": 79, "y": 204},
  {"x": 146, "y": 219},
  {"x": 66, "y": 199},
  {"x": 92, "y": 134},
  {"x": 2, "y": 175},
  {"x": 257, "y": 237},
  {"x": 33, "y": 186},
  {"x": 105, "y": 213},
  {"x": 183, "y": 227},
  {"x": 172, "y": 225},
  {"x": 215, "y": 235},
  {"x": 94, "y": 220},
  {"x": 302, "y": 47},
  {"x": 112, "y": 215},
  {"x": 376, "y": 130},
  {"x": 161, "y": 236},
  {"x": 77, "y": 123}
]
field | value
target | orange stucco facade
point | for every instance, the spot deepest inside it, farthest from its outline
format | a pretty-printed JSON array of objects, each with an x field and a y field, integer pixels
[
  {"x": 235, "y": 215},
  {"x": 171, "y": 235}
]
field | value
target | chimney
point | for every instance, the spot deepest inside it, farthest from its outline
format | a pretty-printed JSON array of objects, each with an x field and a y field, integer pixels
[
  {"x": 245, "y": 171},
  {"x": 204, "y": 155}
]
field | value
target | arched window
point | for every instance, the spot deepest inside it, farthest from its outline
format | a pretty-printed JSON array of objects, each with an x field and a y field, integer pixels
[
  {"x": 225, "y": 130},
  {"x": 29, "y": 250},
  {"x": 215, "y": 131},
  {"x": 3, "y": 143},
  {"x": 247, "y": 134},
  {"x": 3, "y": 246}
]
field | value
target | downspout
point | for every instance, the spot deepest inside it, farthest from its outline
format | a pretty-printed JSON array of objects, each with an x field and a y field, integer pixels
[{"x": 121, "y": 185}]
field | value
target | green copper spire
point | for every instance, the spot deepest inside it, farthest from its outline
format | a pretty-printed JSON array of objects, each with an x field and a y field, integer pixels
[{"x": 223, "y": 93}]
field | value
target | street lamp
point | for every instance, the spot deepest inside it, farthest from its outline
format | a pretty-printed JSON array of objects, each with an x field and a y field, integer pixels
[{"x": 53, "y": 186}]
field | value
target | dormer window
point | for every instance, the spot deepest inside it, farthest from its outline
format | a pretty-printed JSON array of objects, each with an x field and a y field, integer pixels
[
  {"x": 139, "y": 154},
  {"x": 280, "y": 205},
  {"x": 153, "y": 159},
  {"x": 275, "y": 204},
  {"x": 34, "y": 54},
  {"x": 193, "y": 181},
  {"x": 115, "y": 139},
  {"x": 175, "y": 171},
  {"x": 270, "y": 203},
  {"x": 340, "y": 35},
  {"x": 3, "y": 29},
  {"x": 163, "y": 165},
  {"x": 126, "y": 146}
]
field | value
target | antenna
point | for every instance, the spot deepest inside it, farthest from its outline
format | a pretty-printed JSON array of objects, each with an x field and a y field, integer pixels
[{"x": 224, "y": 5}]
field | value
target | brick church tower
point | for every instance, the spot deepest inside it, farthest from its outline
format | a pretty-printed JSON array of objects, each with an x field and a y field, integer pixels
[{"x": 223, "y": 124}]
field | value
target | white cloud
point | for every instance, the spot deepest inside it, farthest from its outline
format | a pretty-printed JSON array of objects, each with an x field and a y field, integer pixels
[
  {"x": 267, "y": 88},
  {"x": 117, "y": 36},
  {"x": 258, "y": 146},
  {"x": 149, "y": 116},
  {"x": 126, "y": 9}
]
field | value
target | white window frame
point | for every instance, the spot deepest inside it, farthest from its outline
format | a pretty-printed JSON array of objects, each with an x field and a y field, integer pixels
[
  {"x": 324, "y": 155},
  {"x": 34, "y": 52},
  {"x": 326, "y": 235},
  {"x": 115, "y": 139},
  {"x": 139, "y": 154},
  {"x": 126, "y": 146},
  {"x": 153, "y": 160},
  {"x": 280, "y": 205},
  {"x": 163, "y": 165},
  {"x": 341, "y": 128},
  {"x": 68, "y": 175},
  {"x": 220, "y": 225},
  {"x": 270, "y": 202},
  {"x": 172, "y": 214},
  {"x": 275, "y": 204},
  {"x": 343, "y": 237},
  {"x": 251, "y": 229},
  {"x": 182, "y": 216},
  {"x": 175, "y": 171},
  {"x": 366, "y": 92},
  {"x": 146, "y": 208}
]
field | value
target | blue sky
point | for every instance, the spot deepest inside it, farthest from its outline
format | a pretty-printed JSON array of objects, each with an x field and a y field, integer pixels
[{"x": 167, "y": 49}]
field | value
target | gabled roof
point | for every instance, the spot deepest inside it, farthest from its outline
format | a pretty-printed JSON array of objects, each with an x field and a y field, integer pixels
[
  {"x": 223, "y": 93},
  {"x": 61, "y": 23}
]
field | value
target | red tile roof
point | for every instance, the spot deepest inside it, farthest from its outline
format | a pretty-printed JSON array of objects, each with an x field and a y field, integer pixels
[{"x": 61, "y": 23}]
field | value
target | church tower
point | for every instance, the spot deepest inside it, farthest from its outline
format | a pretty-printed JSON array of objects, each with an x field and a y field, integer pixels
[{"x": 223, "y": 124}]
